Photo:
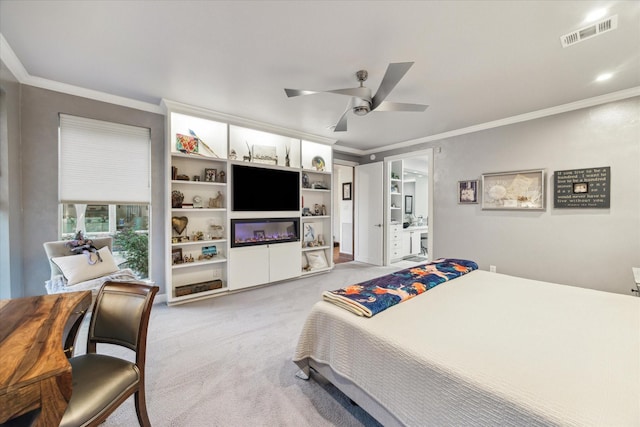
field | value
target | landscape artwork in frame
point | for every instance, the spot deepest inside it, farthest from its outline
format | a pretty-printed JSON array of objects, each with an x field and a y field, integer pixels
[
  {"x": 468, "y": 192},
  {"x": 519, "y": 190}
]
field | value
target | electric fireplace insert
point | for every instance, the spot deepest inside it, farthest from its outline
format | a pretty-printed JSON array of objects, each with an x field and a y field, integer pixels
[{"x": 264, "y": 231}]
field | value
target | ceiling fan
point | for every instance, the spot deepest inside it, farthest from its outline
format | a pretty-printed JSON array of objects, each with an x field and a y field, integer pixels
[{"x": 362, "y": 102}]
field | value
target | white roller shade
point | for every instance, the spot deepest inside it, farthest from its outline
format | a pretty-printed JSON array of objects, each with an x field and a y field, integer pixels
[{"x": 103, "y": 162}]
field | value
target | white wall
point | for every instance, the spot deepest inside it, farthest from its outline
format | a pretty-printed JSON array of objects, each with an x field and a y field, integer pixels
[{"x": 592, "y": 248}]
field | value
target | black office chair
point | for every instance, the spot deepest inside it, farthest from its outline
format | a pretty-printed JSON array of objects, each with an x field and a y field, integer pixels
[{"x": 101, "y": 382}]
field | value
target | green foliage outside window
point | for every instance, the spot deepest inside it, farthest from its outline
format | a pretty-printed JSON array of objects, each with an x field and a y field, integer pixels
[{"x": 135, "y": 248}]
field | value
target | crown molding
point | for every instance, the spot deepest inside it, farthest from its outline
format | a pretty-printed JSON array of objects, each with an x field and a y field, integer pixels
[
  {"x": 11, "y": 60},
  {"x": 564, "y": 108},
  {"x": 349, "y": 150},
  {"x": 93, "y": 94},
  {"x": 14, "y": 65}
]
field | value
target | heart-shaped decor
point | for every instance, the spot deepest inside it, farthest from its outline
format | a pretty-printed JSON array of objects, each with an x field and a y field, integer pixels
[{"x": 179, "y": 223}]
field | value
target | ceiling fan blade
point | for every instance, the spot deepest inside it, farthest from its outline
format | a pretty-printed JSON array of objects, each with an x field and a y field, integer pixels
[
  {"x": 395, "y": 72},
  {"x": 341, "y": 126},
  {"x": 358, "y": 92},
  {"x": 400, "y": 106},
  {"x": 295, "y": 92}
]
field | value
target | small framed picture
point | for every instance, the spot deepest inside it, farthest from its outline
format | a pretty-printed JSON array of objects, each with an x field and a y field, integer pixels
[
  {"x": 176, "y": 256},
  {"x": 209, "y": 251},
  {"x": 346, "y": 191},
  {"x": 468, "y": 191},
  {"x": 210, "y": 175}
]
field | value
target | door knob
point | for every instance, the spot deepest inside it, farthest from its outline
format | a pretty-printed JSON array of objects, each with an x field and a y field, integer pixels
[{"x": 378, "y": 225}]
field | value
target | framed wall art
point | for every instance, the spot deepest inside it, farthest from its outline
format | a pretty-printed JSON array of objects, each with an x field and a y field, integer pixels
[
  {"x": 518, "y": 190},
  {"x": 468, "y": 192},
  {"x": 408, "y": 204},
  {"x": 582, "y": 188},
  {"x": 346, "y": 191}
]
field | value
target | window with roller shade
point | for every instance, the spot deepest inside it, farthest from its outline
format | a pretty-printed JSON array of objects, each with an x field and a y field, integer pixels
[{"x": 104, "y": 185}]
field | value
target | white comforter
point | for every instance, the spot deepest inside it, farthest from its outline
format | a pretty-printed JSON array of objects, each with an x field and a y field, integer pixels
[{"x": 490, "y": 349}]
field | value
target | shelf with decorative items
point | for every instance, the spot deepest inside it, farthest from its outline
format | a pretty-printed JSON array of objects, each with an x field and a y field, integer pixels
[
  {"x": 316, "y": 199},
  {"x": 198, "y": 244},
  {"x": 395, "y": 212},
  {"x": 258, "y": 147},
  {"x": 316, "y": 157},
  {"x": 395, "y": 201},
  {"x": 197, "y": 207},
  {"x": 317, "y": 234}
]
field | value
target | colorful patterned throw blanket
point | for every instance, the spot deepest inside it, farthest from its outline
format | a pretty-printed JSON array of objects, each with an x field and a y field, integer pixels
[{"x": 373, "y": 296}]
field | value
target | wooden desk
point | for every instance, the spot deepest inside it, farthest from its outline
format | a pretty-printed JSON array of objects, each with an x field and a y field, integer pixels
[{"x": 34, "y": 370}]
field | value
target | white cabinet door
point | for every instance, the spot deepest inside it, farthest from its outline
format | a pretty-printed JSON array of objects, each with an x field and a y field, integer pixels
[
  {"x": 406, "y": 243},
  {"x": 249, "y": 266},
  {"x": 415, "y": 242},
  {"x": 410, "y": 243},
  {"x": 285, "y": 260},
  {"x": 395, "y": 242}
]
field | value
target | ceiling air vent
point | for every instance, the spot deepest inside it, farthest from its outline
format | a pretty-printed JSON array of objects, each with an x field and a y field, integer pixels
[{"x": 592, "y": 30}]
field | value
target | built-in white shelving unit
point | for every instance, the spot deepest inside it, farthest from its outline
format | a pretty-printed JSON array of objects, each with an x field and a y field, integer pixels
[
  {"x": 202, "y": 259},
  {"x": 395, "y": 213},
  {"x": 317, "y": 233}
]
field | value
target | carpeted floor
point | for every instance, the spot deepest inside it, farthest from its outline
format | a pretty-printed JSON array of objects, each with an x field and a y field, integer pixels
[{"x": 227, "y": 361}]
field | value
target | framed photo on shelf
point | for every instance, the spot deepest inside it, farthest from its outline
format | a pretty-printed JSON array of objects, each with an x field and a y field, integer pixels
[
  {"x": 468, "y": 192},
  {"x": 210, "y": 175},
  {"x": 176, "y": 256},
  {"x": 346, "y": 191},
  {"x": 519, "y": 190},
  {"x": 309, "y": 233},
  {"x": 209, "y": 251}
]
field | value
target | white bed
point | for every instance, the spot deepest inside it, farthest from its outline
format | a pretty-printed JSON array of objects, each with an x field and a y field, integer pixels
[{"x": 485, "y": 349}]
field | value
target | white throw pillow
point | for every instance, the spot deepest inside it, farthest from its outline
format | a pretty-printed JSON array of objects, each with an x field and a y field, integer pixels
[
  {"x": 76, "y": 268},
  {"x": 316, "y": 260}
]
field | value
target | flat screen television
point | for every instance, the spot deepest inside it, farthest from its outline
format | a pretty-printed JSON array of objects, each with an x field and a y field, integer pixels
[{"x": 264, "y": 189}]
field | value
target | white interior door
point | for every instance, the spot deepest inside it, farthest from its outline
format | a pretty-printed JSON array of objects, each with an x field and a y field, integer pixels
[{"x": 369, "y": 213}]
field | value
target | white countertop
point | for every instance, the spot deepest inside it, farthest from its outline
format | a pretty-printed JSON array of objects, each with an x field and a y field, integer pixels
[{"x": 417, "y": 228}]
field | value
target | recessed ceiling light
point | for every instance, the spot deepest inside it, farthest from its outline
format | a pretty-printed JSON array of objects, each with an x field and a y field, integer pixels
[
  {"x": 595, "y": 15},
  {"x": 604, "y": 76}
]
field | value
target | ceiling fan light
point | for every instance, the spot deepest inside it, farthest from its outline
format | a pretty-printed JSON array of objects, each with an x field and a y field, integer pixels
[{"x": 361, "y": 110}]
